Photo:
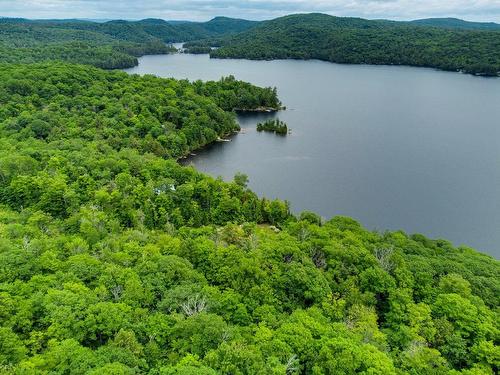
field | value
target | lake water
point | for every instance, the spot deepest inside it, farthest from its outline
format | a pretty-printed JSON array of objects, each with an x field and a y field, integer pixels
[{"x": 393, "y": 147}]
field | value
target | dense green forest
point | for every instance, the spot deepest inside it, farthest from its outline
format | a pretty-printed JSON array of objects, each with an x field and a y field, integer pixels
[
  {"x": 114, "y": 259},
  {"x": 448, "y": 44},
  {"x": 109, "y": 45},
  {"x": 359, "y": 41}
]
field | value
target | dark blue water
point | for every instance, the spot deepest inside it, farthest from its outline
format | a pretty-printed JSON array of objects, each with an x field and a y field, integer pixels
[{"x": 393, "y": 147}]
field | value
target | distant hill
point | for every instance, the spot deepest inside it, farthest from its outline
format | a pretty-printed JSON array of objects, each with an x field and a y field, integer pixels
[
  {"x": 13, "y": 20},
  {"x": 360, "y": 41},
  {"x": 225, "y": 25},
  {"x": 446, "y": 43},
  {"x": 167, "y": 31},
  {"x": 111, "y": 44},
  {"x": 455, "y": 23}
]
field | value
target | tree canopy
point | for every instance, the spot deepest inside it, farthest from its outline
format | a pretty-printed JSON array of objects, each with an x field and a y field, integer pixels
[
  {"x": 454, "y": 46},
  {"x": 115, "y": 259},
  {"x": 108, "y": 45}
]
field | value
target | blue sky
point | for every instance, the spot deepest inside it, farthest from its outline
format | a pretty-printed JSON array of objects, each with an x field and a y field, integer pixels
[{"x": 200, "y": 10}]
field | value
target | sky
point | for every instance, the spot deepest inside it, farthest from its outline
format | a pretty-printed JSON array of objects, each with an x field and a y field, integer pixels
[{"x": 202, "y": 10}]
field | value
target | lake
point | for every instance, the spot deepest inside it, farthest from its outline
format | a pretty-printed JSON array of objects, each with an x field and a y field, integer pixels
[{"x": 393, "y": 147}]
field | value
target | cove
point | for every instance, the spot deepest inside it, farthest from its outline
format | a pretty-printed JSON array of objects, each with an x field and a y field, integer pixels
[{"x": 393, "y": 147}]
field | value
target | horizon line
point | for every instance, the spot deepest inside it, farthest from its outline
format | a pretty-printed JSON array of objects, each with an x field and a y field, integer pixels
[{"x": 103, "y": 20}]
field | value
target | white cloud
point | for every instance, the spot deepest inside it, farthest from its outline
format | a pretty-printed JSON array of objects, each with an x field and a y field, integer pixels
[{"x": 481, "y": 10}]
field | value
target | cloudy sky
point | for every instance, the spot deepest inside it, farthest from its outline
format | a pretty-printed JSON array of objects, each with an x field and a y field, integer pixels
[{"x": 477, "y": 10}]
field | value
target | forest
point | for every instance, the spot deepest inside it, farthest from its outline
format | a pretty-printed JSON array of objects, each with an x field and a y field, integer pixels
[
  {"x": 108, "y": 45},
  {"x": 442, "y": 44},
  {"x": 447, "y": 44},
  {"x": 114, "y": 259}
]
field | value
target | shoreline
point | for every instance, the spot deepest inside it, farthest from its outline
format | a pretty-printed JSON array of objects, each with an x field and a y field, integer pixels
[
  {"x": 224, "y": 137},
  {"x": 220, "y": 139},
  {"x": 259, "y": 110}
]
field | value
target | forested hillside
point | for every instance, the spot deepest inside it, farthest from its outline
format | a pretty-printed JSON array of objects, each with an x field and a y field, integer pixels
[
  {"x": 455, "y": 23},
  {"x": 109, "y": 45},
  {"x": 359, "y": 41},
  {"x": 448, "y": 44},
  {"x": 114, "y": 259}
]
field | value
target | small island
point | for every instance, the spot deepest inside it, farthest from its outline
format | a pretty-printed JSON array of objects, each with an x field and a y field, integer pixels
[
  {"x": 275, "y": 126},
  {"x": 197, "y": 50}
]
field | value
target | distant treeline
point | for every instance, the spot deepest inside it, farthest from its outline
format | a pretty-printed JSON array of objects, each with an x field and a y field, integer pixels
[
  {"x": 198, "y": 50},
  {"x": 109, "y": 45},
  {"x": 452, "y": 45},
  {"x": 447, "y": 44}
]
